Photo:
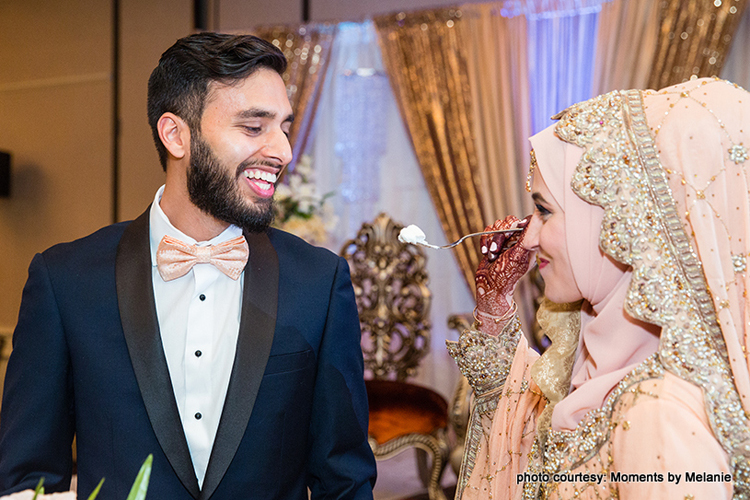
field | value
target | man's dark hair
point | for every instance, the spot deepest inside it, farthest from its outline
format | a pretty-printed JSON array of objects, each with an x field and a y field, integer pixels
[{"x": 179, "y": 84}]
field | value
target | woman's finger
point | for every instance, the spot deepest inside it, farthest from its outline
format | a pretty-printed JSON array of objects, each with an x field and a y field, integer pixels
[
  {"x": 487, "y": 240},
  {"x": 492, "y": 245},
  {"x": 505, "y": 223}
]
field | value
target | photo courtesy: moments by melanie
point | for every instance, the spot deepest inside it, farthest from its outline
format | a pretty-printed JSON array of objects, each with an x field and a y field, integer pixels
[{"x": 621, "y": 477}]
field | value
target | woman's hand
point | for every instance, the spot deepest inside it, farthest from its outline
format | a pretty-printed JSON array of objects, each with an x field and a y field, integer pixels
[{"x": 504, "y": 264}]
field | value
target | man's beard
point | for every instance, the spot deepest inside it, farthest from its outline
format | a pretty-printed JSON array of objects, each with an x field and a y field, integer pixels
[{"x": 213, "y": 190}]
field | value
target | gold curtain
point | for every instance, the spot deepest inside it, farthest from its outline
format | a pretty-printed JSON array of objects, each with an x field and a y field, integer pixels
[
  {"x": 694, "y": 38},
  {"x": 307, "y": 48},
  {"x": 623, "y": 65},
  {"x": 426, "y": 63},
  {"x": 497, "y": 69}
]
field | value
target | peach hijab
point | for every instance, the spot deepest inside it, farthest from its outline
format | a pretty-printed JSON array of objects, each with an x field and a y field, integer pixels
[
  {"x": 611, "y": 343},
  {"x": 656, "y": 195}
]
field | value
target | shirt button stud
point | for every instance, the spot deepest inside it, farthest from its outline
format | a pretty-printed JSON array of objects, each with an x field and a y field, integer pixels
[
  {"x": 198, "y": 416},
  {"x": 202, "y": 297},
  {"x": 198, "y": 354}
]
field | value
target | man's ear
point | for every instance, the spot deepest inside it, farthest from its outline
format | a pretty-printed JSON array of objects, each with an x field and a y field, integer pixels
[{"x": 174, "y": 134}]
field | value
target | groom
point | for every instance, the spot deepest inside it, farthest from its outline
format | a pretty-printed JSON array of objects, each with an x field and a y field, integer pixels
[{"x": 228, "y": 350}]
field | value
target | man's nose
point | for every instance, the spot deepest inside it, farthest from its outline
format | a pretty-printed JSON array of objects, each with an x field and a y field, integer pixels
[{"x": 278, "y": 148}]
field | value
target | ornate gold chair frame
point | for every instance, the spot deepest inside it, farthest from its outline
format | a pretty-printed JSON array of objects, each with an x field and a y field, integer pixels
[{"x": 390, "y": 284}]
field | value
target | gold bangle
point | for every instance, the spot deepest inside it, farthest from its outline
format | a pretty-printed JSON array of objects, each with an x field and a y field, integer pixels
[
  {"x": 497, "y": 319},
  {"x": 476, "y": 320}
]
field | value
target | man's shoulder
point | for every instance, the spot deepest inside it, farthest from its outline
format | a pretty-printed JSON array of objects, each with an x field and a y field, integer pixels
[
  {"x": 294, "y": 247},
  {"x": 101, "y": 243}
]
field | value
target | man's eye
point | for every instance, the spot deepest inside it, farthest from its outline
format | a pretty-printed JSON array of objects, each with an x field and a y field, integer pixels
[{"x": 254, "y": 130}]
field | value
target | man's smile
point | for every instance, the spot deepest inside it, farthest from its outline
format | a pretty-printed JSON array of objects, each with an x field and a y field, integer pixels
[{"x": 260, "y": 181}]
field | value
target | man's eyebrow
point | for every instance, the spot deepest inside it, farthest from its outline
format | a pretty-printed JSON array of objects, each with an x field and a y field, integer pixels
[
  {"x": 262, "y": 113},
  {"x": 256, "y": 113}
]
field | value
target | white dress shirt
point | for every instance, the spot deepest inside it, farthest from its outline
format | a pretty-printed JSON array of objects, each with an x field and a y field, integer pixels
[{"x": 199, "y": 320}]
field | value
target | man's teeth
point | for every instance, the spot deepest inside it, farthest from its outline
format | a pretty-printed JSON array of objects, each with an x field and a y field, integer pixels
[{"x": 260, "y": 175}]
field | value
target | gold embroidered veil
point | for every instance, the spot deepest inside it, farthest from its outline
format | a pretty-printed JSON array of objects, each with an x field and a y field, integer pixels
[{"x": 670, "y": 170}]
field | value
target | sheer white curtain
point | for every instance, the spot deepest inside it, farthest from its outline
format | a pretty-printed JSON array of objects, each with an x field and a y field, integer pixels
[
  {"x": 737, "y": 64},
  {"x": 562, "y": 44},
  {"x": 627, "y": 38},
  {"x": 390, "y": 183}
]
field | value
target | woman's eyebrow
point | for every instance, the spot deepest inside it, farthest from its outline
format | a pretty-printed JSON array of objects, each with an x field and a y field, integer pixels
[{"x": 538, "y": 198}]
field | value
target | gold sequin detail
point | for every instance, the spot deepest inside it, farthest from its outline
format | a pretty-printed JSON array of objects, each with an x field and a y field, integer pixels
[
  {"x": 532, "y": 167},
  {"x": 739, "y": 262},
  {"x": 738, "y": 153}
]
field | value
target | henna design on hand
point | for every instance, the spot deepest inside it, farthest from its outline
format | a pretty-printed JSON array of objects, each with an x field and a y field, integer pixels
[{"x": 504, "y": 263}]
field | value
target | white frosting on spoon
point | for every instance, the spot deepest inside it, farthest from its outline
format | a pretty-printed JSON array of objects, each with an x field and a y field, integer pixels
[{"x": 414, "y": 235}]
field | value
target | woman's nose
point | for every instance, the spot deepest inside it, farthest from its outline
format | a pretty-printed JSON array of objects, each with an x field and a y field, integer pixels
[{"x": 531, "y": 238}]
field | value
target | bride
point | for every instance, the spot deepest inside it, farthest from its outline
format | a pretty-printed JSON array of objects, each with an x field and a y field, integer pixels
[{"x": 641, "y": 233}]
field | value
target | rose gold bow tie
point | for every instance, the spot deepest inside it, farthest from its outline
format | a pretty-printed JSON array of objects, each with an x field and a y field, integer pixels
[{"x": 175, "y": 258}]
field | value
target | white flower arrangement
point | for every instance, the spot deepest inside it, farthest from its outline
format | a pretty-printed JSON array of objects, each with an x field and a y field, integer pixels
[
  {"x": 300, "y": 210},
  {"x": 31, "y": 495},
  {"x": 137, "y": 492}
]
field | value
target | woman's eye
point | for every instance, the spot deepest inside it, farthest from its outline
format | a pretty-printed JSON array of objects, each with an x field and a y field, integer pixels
[{"x": 542, "y": 211}]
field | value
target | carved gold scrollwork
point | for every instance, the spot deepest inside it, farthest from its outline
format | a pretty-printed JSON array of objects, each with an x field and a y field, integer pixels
[{"x": 390, "y": 283}]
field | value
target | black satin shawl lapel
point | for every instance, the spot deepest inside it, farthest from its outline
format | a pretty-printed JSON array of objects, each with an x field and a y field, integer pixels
[
  {"x": 257, "y": 325},
  {"x": 135, "y": 296}
]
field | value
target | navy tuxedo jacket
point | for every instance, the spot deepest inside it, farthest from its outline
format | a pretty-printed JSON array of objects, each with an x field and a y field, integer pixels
[{"x": 88, "y": 360}]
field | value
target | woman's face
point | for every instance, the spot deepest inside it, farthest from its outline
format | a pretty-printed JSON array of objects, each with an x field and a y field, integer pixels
[{"x": 546, "y": 236}]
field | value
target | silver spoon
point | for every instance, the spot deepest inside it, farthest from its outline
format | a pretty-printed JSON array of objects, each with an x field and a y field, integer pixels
[{"x": 460, "y": 240}]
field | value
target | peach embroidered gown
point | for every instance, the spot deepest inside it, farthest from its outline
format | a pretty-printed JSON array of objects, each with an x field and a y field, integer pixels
[{"x": 644, "y": 392}]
